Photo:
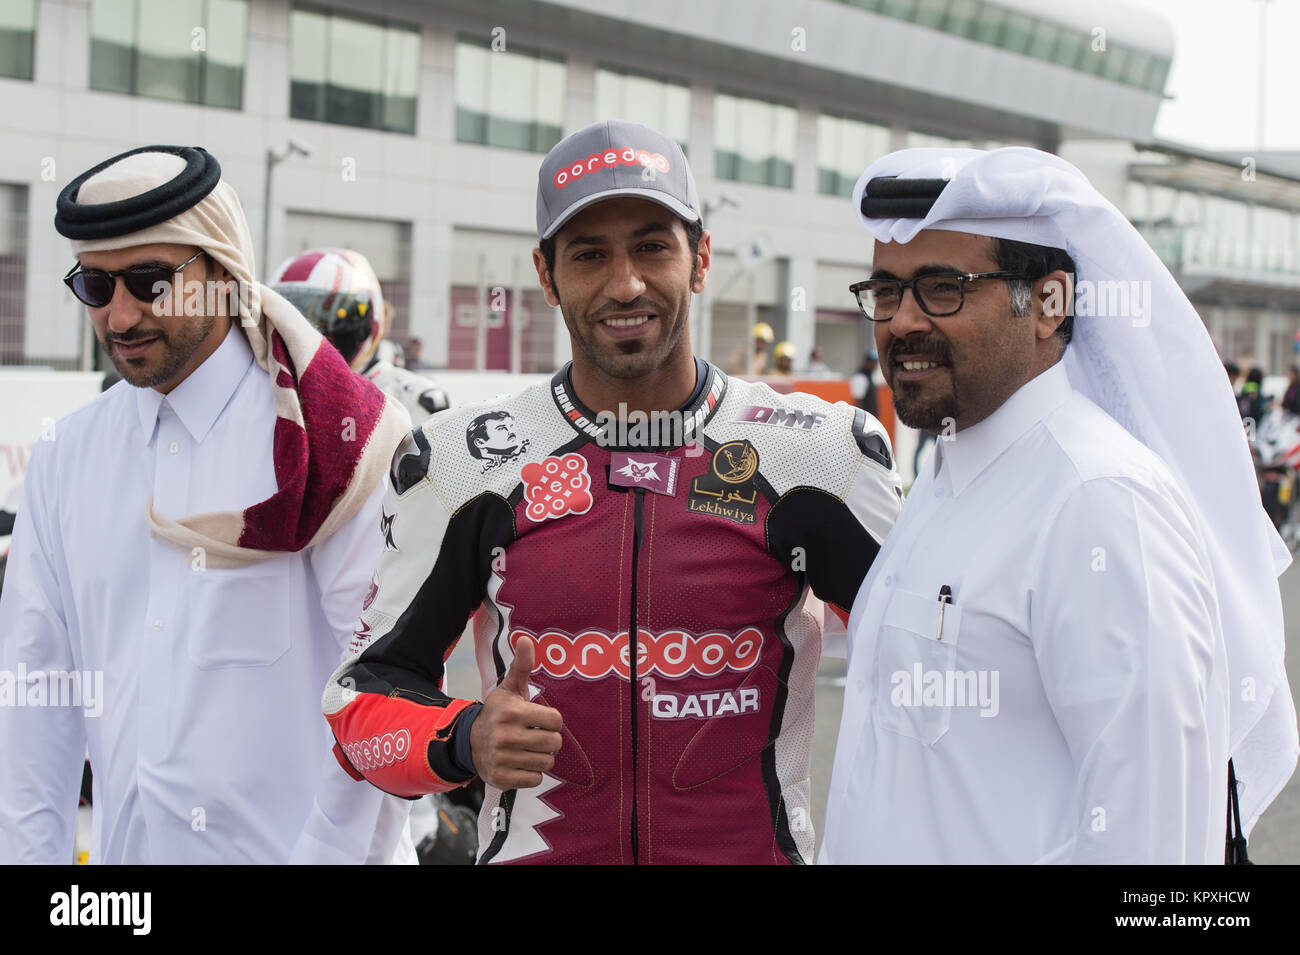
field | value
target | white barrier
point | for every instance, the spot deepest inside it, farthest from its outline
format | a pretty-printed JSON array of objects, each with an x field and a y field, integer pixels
[
  {"x": 31, "y": 401},
  {"x": 468, "y": 387}
]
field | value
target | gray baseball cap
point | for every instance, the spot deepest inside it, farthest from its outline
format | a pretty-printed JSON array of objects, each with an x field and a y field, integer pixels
[{"x": 613, "y": 158}]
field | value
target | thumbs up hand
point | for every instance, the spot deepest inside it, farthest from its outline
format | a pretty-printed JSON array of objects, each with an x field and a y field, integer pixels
[
  {"x": 512, "y": 740},
  {"x": 516, "y": 679}
]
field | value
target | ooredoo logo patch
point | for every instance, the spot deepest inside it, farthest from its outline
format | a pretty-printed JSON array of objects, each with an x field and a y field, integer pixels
[
  {"x": 556, "y": 486},
  {"x": 673, "y": 653},
  {"x": 627, "y": 156},
  {"x": 378, "y": 751}
]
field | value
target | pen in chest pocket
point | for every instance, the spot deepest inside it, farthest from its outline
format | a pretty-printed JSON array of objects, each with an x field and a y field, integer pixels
[{"x": 945, "y": 598}]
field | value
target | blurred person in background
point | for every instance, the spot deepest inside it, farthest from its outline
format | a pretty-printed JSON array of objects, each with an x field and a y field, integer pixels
[
  {"x": 753, "y": 361},
  {"x": 817, "y": 362},
  {"x": 1291, "y": 398},
  {"x": 1251, "y": 402},
  {"x": 862, "y": 384},
  {"x": 783, "y": 358},
  {"x": 337, "y": 291},
  {"x": 414, "y": 360}
]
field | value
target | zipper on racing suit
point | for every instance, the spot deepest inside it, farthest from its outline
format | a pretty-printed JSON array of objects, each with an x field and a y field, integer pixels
[{"x": 633, "y": 646}]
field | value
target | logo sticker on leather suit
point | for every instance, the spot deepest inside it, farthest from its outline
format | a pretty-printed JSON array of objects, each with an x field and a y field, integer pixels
[{"x": 554, "y": 487}]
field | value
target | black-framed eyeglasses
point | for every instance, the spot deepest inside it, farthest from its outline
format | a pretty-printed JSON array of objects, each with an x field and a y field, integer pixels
[
  {"x": 938, "y": 293},
  {"x": 148, "y": 283}
]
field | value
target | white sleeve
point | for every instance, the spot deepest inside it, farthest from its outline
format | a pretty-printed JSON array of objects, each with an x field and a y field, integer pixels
[
  {"x": 351, "y": 822},
  {"x": 835, "y": 635},
  {"x": 1125, "y": 627},
  {"x": 43, "y": 747}
]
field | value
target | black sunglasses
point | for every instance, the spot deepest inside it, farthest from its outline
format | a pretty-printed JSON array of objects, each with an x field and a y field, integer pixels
[
  {"x": 148, "y": 283},
  {"x": 938, "y": 293}
]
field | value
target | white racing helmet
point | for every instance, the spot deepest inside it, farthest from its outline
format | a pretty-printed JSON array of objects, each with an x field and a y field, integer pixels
[{"x": 337, "y": 291}]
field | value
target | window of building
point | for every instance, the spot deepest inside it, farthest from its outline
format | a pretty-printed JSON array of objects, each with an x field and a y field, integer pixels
[
  {"x": 13, "y": 274},
  {"x": 754, "y": 140},
  {"x": 659, "y": 103},
  {"x": 1237, "y": 333},
  {"x": 1071, "y": 48},
  {"x": 1216, "y": 231},
  {"x": 1272, "y": 237},
  {"x": 1045, "y": 42},
  {"x": 1135, "y": 70},
  {"x": 1094, "y": 61},
  {"x": 354, "y": 72},
  {"x": 845, "y": 147},
  {"x": 1279, "y": 354},
  {"x": 900, "y": 9},
  {"x": 1025, "y": 33},
  {"x": 1221, "y": 232},
  {"x": 1157, "y": 75},
  {"x": 1137, "y": 202},
  {"x": 1017, "y": 31},
  {"x": 511, "y": 98},
  {"x": 961, "y": 17},
  {"x": 931, "y": 13},
  {"x": 187, "y": 50},
  {"x": 17, "y": 38},
  {"x": 1114, "y": 62},
  {"x": 988, "y": 23}
]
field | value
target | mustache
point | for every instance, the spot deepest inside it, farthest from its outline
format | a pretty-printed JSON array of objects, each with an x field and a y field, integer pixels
[
  {"x": 128, "y": 338},
  {"x": 936, "y": 348}
]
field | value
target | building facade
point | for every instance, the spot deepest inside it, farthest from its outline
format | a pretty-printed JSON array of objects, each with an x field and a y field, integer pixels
[{"x": 412, "y": 131}]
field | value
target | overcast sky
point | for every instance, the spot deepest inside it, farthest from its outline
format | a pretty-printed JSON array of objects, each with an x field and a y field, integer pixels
[{"x": 1215, "y": 76}]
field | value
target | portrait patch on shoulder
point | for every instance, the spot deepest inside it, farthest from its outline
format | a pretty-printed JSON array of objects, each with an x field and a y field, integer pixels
[{"x": 492, "y": 439}]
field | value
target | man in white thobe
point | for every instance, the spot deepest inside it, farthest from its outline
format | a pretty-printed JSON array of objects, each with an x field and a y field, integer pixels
[
  {"x": 1047, "y": 661},
  {"x": 185, "y": 655}
]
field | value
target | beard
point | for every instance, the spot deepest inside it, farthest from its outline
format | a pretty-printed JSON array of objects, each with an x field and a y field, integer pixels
[
  {"x": 922, "y": 405},
  {"x": 931, "y": 415},
  {"x": 634, "y": 358},
  {"x": 177, "y": 349}
]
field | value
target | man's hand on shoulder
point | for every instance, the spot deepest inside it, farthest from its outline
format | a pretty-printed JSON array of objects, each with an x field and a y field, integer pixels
[{"x": 514, "y": 741}]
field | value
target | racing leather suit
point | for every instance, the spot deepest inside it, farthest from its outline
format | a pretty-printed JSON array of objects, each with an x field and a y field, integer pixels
[
  {"x": 418, "y": 395},
  {"x": 715, "y": 543}
]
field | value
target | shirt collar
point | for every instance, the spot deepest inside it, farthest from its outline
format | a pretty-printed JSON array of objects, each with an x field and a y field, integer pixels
[
  {"x": 965, "y": 456},
  {"x": 199, "y": 400}
]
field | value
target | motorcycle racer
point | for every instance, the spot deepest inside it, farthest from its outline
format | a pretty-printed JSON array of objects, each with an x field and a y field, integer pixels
[
  {"x": 709, "y": 523},
  {"x": 338, "y": 292}
]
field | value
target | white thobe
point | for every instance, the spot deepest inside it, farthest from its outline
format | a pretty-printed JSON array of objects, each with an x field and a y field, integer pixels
[
  {"x": 1072, "y": 706},
  {"x": 207, "y": 743}
]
